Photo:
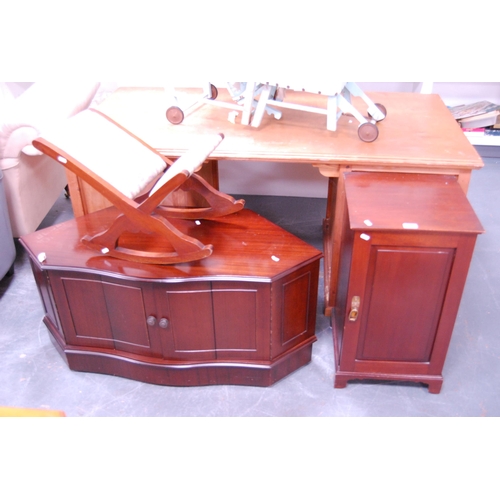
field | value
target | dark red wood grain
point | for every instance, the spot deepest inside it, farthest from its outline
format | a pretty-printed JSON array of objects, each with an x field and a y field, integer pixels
[
  {"x": 245, "y": 315},
  {"x": 409, "y": 281}
]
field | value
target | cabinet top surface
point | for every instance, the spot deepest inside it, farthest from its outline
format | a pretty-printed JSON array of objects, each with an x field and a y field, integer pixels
[
  {"x": 418, "y": 130},
  {"x": 246, "y": 247},
  {"x": 397, "y": 201}
]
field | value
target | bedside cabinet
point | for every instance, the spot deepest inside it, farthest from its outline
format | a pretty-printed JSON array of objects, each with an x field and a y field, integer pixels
[{"x": 407, "y": 244}]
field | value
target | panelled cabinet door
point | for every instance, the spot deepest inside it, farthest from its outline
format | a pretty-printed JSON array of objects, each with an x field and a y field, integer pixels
[
  {"x": 185, "y": 321},
  {"x": 294, "y": 309},
  {"x": 47, "y": 296},
  {"x": 219, "y": 320},
  {"x": 105, "y": 313},
  {"x": 397, "y": 303},
  {"x": 241, "y": 320}
]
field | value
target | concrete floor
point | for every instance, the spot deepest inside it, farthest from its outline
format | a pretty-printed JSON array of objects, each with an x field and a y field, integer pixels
[{"x": 33, "y": 375}]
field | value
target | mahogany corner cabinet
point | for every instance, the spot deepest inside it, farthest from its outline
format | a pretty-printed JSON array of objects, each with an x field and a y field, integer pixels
[
  {"x": 406, "y": 247},
  {"x": 245, "y": 315}
]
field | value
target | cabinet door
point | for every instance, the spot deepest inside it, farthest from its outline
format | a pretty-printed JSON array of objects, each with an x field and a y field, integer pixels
[
  {"x": 105, "y": 314},
  {"x": 46, "y": 294},
  {"x": 241, "y": 320},
  {"x": 188, "y": 331},
  {"x": 219, "y": 320},
  {"x": 401, "y": 283},
  {"x": 294, "y": 309}
]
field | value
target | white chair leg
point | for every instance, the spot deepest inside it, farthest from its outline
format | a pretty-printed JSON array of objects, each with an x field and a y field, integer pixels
[
  {"x": 248, "y": 103},
  {"x": 261, "y": 105},
  {"x": 346, "y": 107},
  {"x": 331, "y": 113},
  {"x": 374, "y": 112}
]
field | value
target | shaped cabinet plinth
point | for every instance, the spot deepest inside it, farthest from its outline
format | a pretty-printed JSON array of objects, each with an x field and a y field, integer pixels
[
  {"x": 245, "y": 315},
  {"x": 407, "y": 245}
]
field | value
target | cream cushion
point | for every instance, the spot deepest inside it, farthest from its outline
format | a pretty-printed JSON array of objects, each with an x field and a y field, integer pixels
[{"x": 107, "y": 150}]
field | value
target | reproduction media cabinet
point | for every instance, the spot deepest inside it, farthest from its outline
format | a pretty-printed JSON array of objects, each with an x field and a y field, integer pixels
[
  {"x": 245, "y": 315},
  {"x": 407, "y": 244}
]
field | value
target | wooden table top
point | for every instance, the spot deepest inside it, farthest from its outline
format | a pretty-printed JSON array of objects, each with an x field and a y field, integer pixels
[{"x": 418, "y": 131}]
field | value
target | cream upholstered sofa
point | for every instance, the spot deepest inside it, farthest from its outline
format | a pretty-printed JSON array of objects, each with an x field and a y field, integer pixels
[
  {"x": 7, "y": 248},
  {"x": 33, "y": 181}
]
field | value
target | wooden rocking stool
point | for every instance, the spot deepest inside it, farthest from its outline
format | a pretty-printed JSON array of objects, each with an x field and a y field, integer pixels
[{"x": 136, "y": 179}]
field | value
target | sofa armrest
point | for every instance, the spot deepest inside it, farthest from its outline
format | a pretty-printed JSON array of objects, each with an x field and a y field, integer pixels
[{"x": 37, "y": 109}]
